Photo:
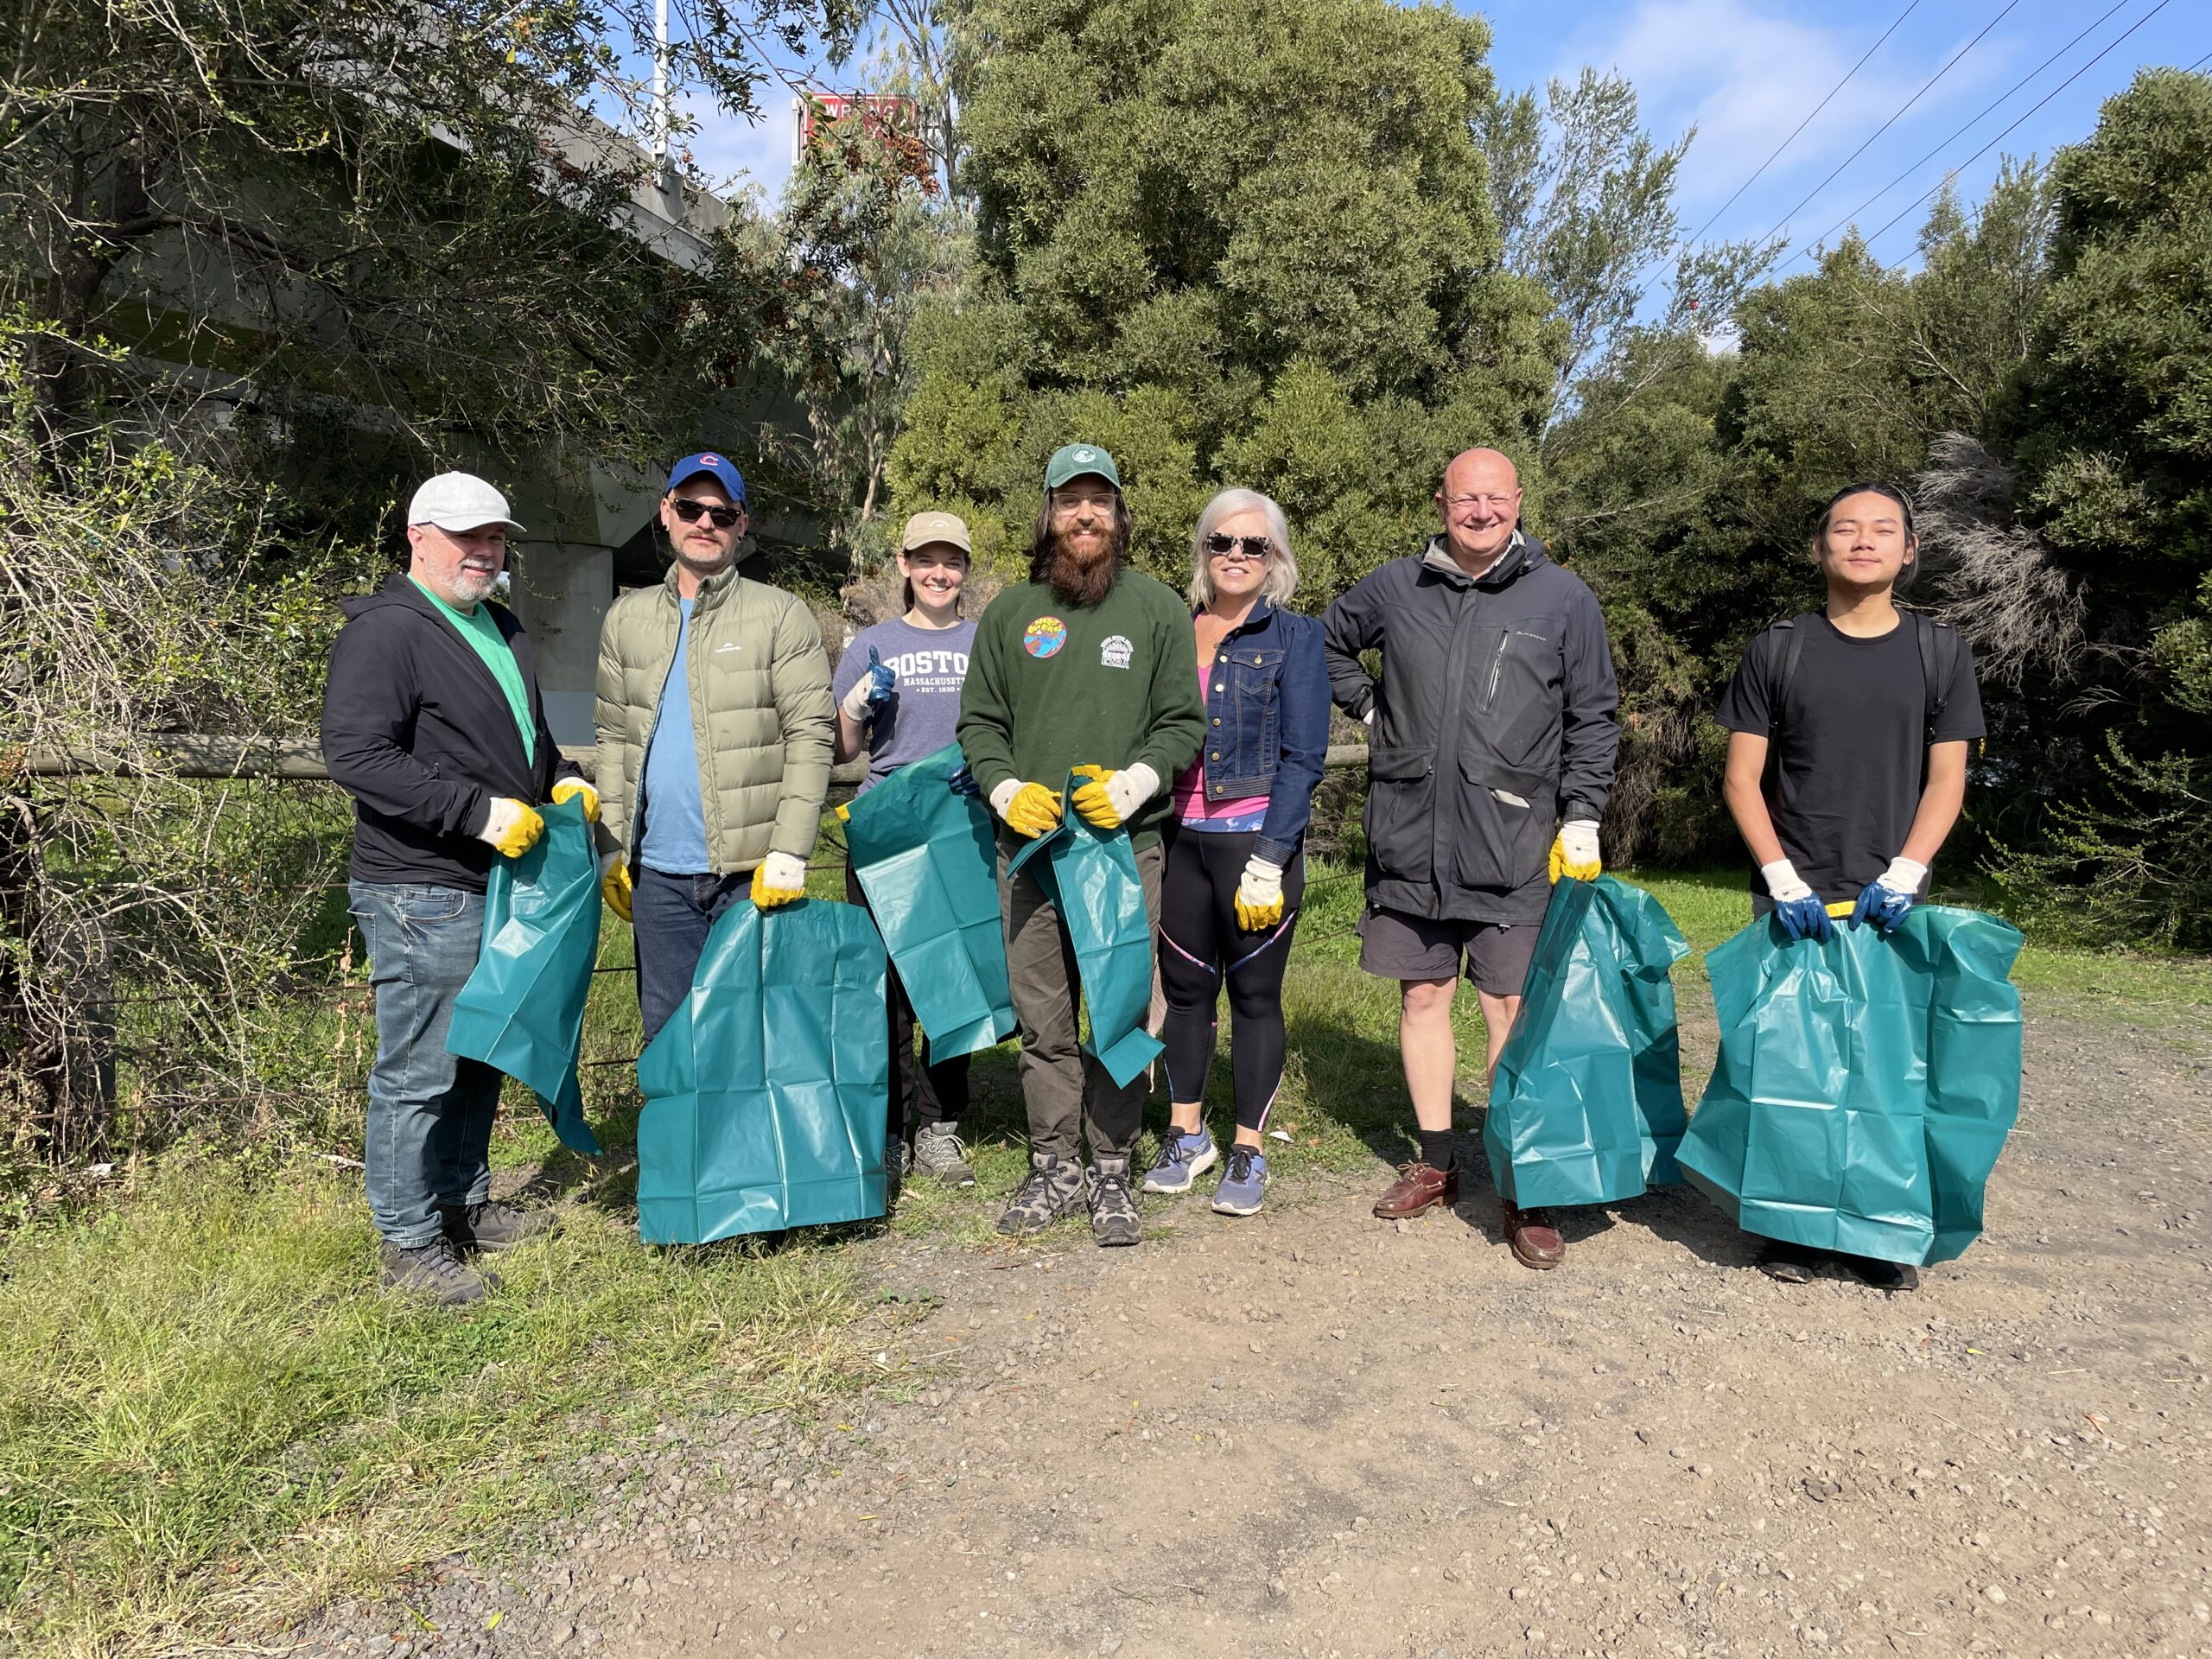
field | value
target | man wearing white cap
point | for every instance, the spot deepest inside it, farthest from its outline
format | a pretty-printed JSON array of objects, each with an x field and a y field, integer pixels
[
  {"x": 714, "y": 729},
  {"x": 433, "y": 723}
]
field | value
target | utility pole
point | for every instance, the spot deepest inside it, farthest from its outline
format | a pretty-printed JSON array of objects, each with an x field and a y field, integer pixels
[{"x": 660, "y": 87}]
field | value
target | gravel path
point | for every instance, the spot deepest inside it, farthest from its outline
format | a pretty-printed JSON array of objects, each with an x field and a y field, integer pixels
[{"x": 1319, "y": 1434}]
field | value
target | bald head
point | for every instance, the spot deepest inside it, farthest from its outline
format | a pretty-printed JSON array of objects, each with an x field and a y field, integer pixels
[{"x": 1481, "y": 505}]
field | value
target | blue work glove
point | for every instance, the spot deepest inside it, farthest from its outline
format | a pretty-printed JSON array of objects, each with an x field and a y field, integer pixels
[
  {"x": 962, "y": 782},
  {"x": 1886, "y": 900},
  {"x": 872, "y": 689},
  {"x": 1797, "y": 906}
]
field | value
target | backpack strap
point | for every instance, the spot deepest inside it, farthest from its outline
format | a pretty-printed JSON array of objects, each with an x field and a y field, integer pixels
[
  {"x": 1792, "y": 647},
  {"x": 1939, "y": 665}
]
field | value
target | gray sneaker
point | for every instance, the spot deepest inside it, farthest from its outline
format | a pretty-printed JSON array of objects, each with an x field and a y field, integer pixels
[
  {"x": 435, "y": 1272},
  {"x": 937, "y": 1152},
  {"x": 1114, "y": 1218},
  {"x": 1183, "y": 1158},
  {"x": 1054, "y": 1189},
  {"x": 490, "y": 1228}
]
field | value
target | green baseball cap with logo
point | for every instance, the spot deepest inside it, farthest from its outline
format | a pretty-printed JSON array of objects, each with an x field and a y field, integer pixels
[{"x": 1075, "y": 460}]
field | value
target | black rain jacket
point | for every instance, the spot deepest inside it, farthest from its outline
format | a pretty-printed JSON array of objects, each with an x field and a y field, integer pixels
[
  {"x": 1493, "y": 720},
  {"x": 415, "y": 729}
]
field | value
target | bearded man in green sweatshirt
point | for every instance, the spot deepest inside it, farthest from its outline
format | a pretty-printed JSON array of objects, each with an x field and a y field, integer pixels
[{"x": 1088, "y": 664}]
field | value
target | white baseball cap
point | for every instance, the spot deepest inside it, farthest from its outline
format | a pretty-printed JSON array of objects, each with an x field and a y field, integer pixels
[{"x": 460, "y": 501}]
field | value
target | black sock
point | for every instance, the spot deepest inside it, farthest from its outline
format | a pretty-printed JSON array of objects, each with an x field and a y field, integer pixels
[{"x": 1436, "y": 1148}]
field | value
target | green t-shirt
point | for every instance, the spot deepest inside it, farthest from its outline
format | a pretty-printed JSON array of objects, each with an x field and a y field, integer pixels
[
  {"x": 1052, "y": 685},
  {"x": 484, "y": 638}
]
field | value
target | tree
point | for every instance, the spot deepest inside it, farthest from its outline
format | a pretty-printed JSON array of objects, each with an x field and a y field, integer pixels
[{"x": 1302, "y": 294}]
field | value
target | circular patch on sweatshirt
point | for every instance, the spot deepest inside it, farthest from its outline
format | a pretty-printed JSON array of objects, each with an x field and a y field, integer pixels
[{"x": 1044, "y": 636}]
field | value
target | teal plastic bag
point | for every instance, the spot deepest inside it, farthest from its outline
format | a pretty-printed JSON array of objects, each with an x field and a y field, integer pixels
[
  {"x": 521, "y": 1010},
  {"x": 927, "y": 861},
  {"x": 1587, "y": 1104},
  {"x": 767, "y": 1091},
  {"x": 1091, "y": 877},
  {"x": 1865, "y": 1086}
]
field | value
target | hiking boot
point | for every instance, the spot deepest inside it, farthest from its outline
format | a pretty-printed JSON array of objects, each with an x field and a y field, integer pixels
[
  {"x": 1183, "y": 1158},
  {"x": 1114, "y": 1218},
  {"x": 434, "y": 1272},
  {"x": 1054, "y": 1189},
  {"x": 937, "y": 1152},
  {"x": 1245, "y": 1185},
  {"x": 1533, "y": 1239},
  {"x": 487, "y": 1228},
  {"x": 1418, "y": 1189}
]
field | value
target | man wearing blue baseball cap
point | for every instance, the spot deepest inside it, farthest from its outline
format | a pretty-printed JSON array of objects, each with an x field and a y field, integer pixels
[{"x": 715, "y": 732}]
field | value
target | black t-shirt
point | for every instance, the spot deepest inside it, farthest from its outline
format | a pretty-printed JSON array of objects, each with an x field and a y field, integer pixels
[{"x": 1848, "y": 756}]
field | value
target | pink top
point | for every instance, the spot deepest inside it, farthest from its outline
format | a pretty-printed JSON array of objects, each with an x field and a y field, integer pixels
[{"x": 1194, "y": 809}]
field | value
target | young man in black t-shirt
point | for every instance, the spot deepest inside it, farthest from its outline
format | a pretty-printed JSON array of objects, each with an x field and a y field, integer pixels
[{"x": 1848, "y": 730}]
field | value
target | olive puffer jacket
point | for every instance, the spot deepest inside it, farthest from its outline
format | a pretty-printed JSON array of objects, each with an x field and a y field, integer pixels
[{"x": 760, "y": 713}]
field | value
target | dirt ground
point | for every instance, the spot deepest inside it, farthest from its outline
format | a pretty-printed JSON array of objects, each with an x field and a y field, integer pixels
[{"x": 1317, "y": 1433}]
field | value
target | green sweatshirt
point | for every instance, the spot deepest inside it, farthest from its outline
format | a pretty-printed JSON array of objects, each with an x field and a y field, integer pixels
[{"x": 1053, "y": 685}]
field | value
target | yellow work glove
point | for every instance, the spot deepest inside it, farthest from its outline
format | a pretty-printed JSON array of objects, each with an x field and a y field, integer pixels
[
  {"x": 614, "y": 884},
  {"x": 1574, "y": 851},
  {"x": 1029, "y": 809},
  {"x": 512, "y": 828},
  {"x": 570, "y": 788},
  {"x": 1110, "y": 799},
  {"x": 1259, "y": 895},
  {"x": 778, "y": 879}
]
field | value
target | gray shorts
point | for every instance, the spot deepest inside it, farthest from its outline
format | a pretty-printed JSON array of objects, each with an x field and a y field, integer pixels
[{"x": 1398, "y": 946}]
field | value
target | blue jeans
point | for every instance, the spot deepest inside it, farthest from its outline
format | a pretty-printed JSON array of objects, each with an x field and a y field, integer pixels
[
  {"x": 670, "y": 916},
  {"x": 430, "y": 1113}
]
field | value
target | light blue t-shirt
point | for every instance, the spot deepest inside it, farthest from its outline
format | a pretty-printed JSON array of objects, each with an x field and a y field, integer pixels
[{"x": 676, "y": 822}]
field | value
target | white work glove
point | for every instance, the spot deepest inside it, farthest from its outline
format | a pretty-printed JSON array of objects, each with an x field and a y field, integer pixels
[
  {"x": 1259, "y": 895},
  {"x": 512, "y": 827},
  {"x": 1796, "y": 908},
  {"x": 1574, "y": 851},
  {"x": 1110, "y": 799},
  {"x": 1904, "y": 875},
  {"x": 779, "y": 879}
]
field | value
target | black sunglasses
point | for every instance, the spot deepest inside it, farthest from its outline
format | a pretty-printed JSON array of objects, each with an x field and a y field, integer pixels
[
  {"x": 689, "y": 512},
  {"x": 1254, "y": 548}
]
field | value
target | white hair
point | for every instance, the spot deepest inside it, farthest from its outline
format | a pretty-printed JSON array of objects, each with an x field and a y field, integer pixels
[{"x": 1282, "y": 578}]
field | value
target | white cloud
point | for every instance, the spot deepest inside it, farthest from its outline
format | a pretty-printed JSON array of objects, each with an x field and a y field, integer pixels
[{"x": 735, "y": 156}]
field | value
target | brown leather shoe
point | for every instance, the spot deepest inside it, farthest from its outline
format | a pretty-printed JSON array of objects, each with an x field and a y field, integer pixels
[
  {"x": 1536, "y": 1241},
  {"x": 1418, "y": 1189}
]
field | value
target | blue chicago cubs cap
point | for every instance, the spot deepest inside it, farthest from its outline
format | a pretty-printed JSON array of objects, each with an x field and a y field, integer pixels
[{"x": 707, "y": 462}]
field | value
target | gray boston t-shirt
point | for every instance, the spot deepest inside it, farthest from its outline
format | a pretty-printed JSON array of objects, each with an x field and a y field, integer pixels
[{"x": 930, "y": 663}]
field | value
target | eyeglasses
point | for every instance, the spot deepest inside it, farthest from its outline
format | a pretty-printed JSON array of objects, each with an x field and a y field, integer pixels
[
  {"x": 689, "y": 512},
  {"x": 1252, "y": 549},
  {"x": 1495, "y": 502}
]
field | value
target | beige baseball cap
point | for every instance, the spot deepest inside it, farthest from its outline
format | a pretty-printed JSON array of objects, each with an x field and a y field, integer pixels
[{"x": 926, "y": 527}]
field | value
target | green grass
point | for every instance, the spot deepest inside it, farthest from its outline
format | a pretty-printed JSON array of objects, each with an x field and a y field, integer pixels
[{"x": 208, "y": 1421}]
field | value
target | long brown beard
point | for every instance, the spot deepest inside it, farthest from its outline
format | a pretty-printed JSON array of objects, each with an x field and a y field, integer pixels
[{"x": 1080, "y": 583}]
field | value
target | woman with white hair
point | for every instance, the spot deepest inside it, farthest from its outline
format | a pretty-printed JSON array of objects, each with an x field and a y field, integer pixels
[{"x": 1235, "y": 871}]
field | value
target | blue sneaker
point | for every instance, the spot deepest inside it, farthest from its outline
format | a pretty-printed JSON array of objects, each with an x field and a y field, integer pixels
[
  {"x": 1183, "y": 1159},
  {"x": 1244, "y": 1184}
]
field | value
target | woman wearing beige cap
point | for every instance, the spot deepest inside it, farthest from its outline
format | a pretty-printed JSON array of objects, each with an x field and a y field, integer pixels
[{"x": 898, "y": 692}]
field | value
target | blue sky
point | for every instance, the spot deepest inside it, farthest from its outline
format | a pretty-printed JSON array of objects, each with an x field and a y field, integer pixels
[{"x": 1746, "y": 72}]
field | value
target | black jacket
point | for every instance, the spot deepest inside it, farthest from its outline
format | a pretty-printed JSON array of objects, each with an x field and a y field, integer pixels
[
  {"x": 1493, "y": 721},
  {"x": 415, "y": 729}
]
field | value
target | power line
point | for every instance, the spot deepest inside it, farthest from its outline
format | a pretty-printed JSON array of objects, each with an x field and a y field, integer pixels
[
  {"x": 1804, "y": 250},
  {"x": 2008, "y": 131},
  {"x": 1925, "y": 86},
  {"x": 1801, "y": 125}
]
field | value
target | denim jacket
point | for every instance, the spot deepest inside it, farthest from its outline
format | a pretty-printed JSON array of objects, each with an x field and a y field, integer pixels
[{"x": 1268, "y": 722}]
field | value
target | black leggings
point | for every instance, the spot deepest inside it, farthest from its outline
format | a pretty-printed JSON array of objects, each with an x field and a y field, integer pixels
[{"x": 1200, "y": 945}]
